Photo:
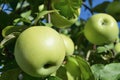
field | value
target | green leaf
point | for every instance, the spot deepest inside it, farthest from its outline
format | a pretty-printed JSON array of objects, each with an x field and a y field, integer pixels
[
  {"x": 101, "y": 49},
  {"x": 11, "y": 29},
  {"x": 13, "y": 3},
  {"x": 26, "y": 14},
  {"x": 67, "y": 8},
  {"x": 102, "y": 72},
  {"x": 112, "y": 70},
  {"x": 96, "y": 69},
  {"x": 11, "y": 74},
  {"x": 42, "y": 14},
  {"x": 8, "y": 38},
  {"x": 53, "y": 78},
  {"x": 4, "y": 20},
  {"x": 8, "y": 65},
  {"x": 101, "y": 7},
  {"x": 86, "y": 72},
  {"x": 25, "y": 76},
  {"x": 61, "y": 73}
]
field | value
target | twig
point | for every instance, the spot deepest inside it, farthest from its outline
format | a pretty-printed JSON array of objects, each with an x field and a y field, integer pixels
[
  {"x": 88, "y": 8},
  {"x": 49, "y": 8}
]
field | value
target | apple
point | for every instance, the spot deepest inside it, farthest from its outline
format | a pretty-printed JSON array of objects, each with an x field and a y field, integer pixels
[
  {"x": 114, "y": 9},
  {"x": 39, "y": 51},
  {"x": 101, "y": 29},
  {"x": 69, "y": 45},
  {"x": 117, "y": 48}
]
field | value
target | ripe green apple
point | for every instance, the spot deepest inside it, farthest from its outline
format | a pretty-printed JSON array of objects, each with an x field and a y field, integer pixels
[
  {"x": 69, "y": 45},
  {"x": 114, "y": 9},
  {"x": 117, "y": 48},
  {"x": 39, "y": 51},
  {"x": 101, "y": 29}
]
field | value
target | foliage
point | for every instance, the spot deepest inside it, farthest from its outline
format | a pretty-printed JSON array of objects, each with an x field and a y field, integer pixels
[{"x": 17, "y": 15}]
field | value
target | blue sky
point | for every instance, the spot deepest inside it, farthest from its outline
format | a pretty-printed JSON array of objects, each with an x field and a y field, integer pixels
[{"x": 85, "y": 14}]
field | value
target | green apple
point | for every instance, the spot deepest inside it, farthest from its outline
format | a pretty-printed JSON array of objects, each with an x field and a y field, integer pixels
[
  {"x": 114, "y": 9},
  {"x": 69, "y": 45},
  {"x": 39, "y": 51},
  {"x": 117, "y": 48},
  {"x": 101, "y": 29}
]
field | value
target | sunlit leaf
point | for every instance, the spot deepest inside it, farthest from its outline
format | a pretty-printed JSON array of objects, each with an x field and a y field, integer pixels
[
  {"x": 86, "y": 72},
  {"x": 11, "y": 29}
]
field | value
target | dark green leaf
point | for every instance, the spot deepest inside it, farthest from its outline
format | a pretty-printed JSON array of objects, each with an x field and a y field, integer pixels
[
  {"x": 11, "y": 74},
  {"x": 13, "y": 3},
  {"x": 53, "y": 78},
  {"x": 8, "y": 65},
  {"x": 25, "y": 76},
  {"x": 101, "y": 7}
]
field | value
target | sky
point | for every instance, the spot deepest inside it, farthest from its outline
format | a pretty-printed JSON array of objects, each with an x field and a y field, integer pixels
[{"x": 85, "y": 14}]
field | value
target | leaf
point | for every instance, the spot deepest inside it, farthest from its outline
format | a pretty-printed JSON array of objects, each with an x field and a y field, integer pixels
[
  {"x": 8, "y": 65},
  {"x": 102, "y": 72},
  {"x": 86, "y": 72},
  {"x": 4, "y": 19},
  {"x": 11, "y": 29},
  {"x": 101, "y": 7},
  {"x": 8, "y": 38},
  {"x": 25, "y": 76},
  {"x": 96, "y": 69},
  {"x": 53, "y": 78},
  {"x": 41, "y": 14},
  {"x": 101, "y": 49},
  {"x": 13, "y": 3},
  {"x": 11, "y": 74},
  {"x": 112, "y": 70},
  {"x": 26, "y": 14},
  {"x": 61, "y": 73},
  {"x": 67, "y": 8}
]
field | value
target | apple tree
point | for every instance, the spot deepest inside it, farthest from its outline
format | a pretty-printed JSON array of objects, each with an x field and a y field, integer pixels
[{"x": 48, "y": 40}]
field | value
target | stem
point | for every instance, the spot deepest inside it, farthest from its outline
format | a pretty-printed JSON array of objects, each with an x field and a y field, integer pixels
[
  {"x": 48, "y": 8},
  {"x": 88, "y": 55}
]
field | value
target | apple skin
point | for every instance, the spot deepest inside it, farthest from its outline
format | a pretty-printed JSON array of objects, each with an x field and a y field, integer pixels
[
  {"x": 117, "y": 48},
  {"x": 39, "y": 51},
  {"x": 114, "y": 9},
  {"x": 101, "y": 29},
  {"x": 69, "y": 45}
]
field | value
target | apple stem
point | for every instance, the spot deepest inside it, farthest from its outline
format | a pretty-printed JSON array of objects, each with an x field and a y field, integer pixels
[{"x": 48, "y": 8}]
